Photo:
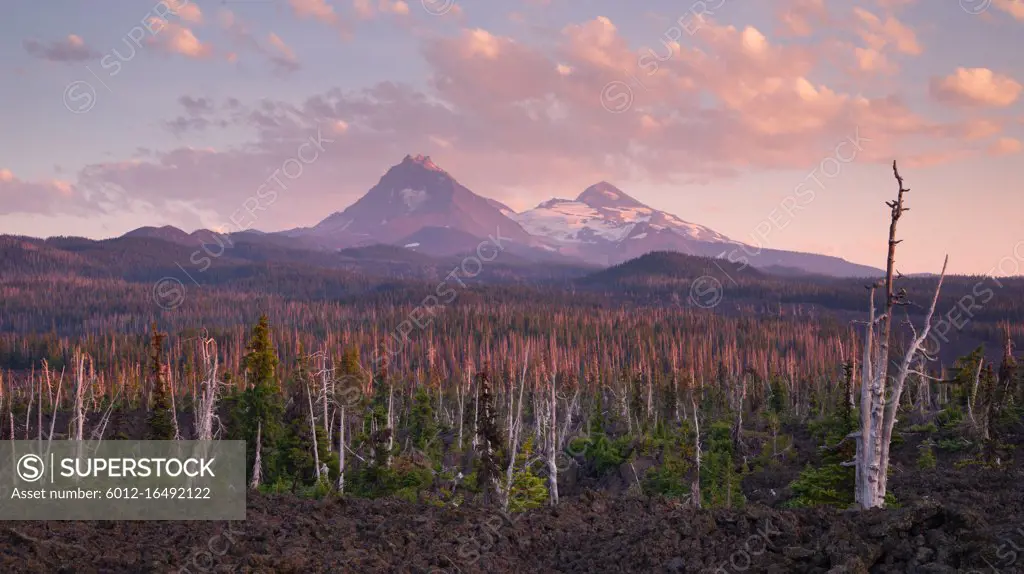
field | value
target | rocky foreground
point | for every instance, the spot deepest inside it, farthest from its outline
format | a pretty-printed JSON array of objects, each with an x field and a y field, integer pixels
[{"x": 966, "y": 520}]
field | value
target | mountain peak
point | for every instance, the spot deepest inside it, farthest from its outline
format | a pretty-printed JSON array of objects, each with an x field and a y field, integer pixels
[
  {"x": 422, "y": 161},
  {"x": 604, "y": 194}
]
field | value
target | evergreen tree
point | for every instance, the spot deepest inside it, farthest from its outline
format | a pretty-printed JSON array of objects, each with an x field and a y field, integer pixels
[
  {"x": 927, "y": 460},
  {"x": 160, "y": 423},
  {"x": 422, "y": 428},
  {"x": 297, "y": 444},
  {"x": 261, "y": 404},
  {"x": 528, "y": 489},
  {"x": 721, "y": 481},
  {"x": 671, "y": 479}
]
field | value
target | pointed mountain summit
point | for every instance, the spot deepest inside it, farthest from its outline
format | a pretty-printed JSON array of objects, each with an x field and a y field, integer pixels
[
  {"x": 422, "y": 161},
  {"x": 606, "y": 195},
  {"x": 412, "y": 195}
]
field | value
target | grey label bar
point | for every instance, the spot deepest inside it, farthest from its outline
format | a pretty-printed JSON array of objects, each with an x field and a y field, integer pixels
[{"x": 122, "y": 480}]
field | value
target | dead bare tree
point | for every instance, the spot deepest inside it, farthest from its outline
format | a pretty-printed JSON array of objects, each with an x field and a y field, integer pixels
[
  {"x": 206, "y": 409},
  {"x": 514, "y": 429},
  {"x": 78, "y": 422},
  {"x": 695, "y": 487},
  {"x": 552, "y": 450},
  {"x": 31, "y": 400},
  {"x": 972, "y": 397},
  {"x": 312, "y": 428},
  {"x": 341, "y": 448},
  {"x": 325, "y": 390},
  {"x": 880, "y": 400},
  {"x": 257, "y": 465}
]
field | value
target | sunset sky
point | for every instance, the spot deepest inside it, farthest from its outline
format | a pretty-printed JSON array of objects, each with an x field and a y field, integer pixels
[{"x": 114, "y": 118}]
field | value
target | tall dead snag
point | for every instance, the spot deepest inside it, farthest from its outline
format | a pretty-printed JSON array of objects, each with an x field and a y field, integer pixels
[
  {"x": 880, "y": 402},
  {"x": 206, "y": 408},
  {"x": 515, "y": 425},
  {"x": 489, "y": 441},
  {"x": 257, "y": 465},
  {"x": 552, "y": 443},
  {"x": 695, "y": 487}
]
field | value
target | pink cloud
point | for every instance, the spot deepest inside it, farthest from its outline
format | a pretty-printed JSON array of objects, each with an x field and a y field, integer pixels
[
  {"x": 1005, "y": 146},
  {"x": 317, "y": 9},
  {"x": 177, "y": 39},
  {"x": 52, "y": 196},
  {"x": 1014, "y": 8},
  {"x": 878, "y": 33},
  {"x": 976, "y": 87},
  {"x": 187, "y": 10},
  {"x": 514, "y": 119},
  {"x": 801, "y": 17},
  {"x": 280, "y": 56}
]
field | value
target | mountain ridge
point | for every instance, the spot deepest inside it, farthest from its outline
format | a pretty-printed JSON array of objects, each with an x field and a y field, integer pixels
[{"x": 418, "y": 202}]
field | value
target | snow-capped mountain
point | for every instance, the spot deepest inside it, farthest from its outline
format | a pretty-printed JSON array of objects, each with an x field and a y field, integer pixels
[
  {"x": 605, "y": 225},
  {"x": 411, "y": 196},
  {"x": 416, "y": 205},
  {"x": 605, "y": 213}
]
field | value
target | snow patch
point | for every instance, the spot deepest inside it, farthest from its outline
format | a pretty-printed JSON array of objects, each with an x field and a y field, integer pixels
[
  {"x": 578, "y": 222},
  {"x": 412, "y": 245},
  {"x": 413, "y": 198},
  {"x": 572, "y": 221}
]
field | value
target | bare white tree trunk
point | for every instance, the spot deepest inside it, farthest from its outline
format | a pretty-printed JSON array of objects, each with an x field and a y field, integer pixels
[
  {"x": 391, "y": 423},
  {"x": 973, "y": 396},
  {"x": 878, "y": 411},
  {"x": 460, "y": 397},
  {"x": 553, "y": 446},
  {"x": 476, "y": 413},
  {"x": 326, "y": 390},
  {"x": 892, "y": 407},
  {"x": 206, "y": 413},
  {"x": 570, "y": 411},
  {"x": 695, "y": 488},
  {"x": 312, "y": 430},
  {"x": 650, "y": 396},
  {"x": 864, "y": 490},
  {"x": 55, "y": 403},
  {"x": 341, "y": 450},
  {"x": 257, "y": 466},
  {"x": 31, "y": 401},
  {"x": 39, "y": 414},
  {"x": 78, "y": 433},
  {"x": 514, "y": 428}
]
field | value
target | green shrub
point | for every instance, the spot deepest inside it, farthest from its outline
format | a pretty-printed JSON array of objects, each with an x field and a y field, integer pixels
[
  {"x": 828, "y": 485},
  {"x": 528, "y": 490},
  {"x": 672, "y": 478},
  {"x": 954, "y": 444},
  {"x": 927, "y": 460},
  {"x": 950, "y": 418}
]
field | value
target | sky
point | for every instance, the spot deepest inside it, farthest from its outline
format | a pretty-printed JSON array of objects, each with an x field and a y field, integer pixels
[{"x": 774, "y": 122}]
